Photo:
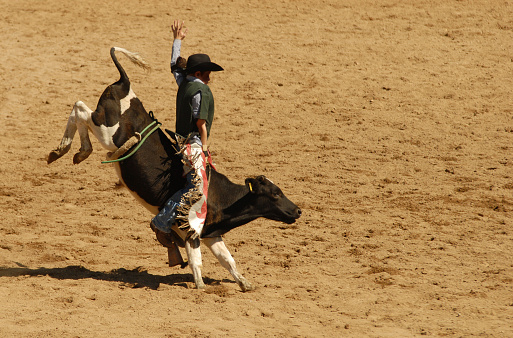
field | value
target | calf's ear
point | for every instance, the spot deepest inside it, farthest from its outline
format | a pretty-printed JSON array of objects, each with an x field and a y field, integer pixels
[{"x": 253, "y": 185}]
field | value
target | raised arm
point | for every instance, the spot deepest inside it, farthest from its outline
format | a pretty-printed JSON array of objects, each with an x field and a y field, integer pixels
[{"x": 179, "y": 33}]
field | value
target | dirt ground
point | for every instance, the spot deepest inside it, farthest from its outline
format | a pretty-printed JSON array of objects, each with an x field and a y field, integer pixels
[{"x": 390, "y": 123}]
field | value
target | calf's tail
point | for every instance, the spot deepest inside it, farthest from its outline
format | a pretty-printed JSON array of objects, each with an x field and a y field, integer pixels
[{"x": 134, "y": 57}]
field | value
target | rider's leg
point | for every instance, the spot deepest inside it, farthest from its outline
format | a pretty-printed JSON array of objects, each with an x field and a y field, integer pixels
[{"x": 198, "y": 210}]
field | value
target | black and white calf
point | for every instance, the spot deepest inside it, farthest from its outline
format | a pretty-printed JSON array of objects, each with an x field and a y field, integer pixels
[{"x": 154, "y": 173}]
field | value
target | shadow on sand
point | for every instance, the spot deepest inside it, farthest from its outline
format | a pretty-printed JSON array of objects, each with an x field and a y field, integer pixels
[{"x": 136, "y": 278}]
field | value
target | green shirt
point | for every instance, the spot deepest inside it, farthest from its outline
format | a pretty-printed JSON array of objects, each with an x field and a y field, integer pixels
[{"x": 185, "y": 121}]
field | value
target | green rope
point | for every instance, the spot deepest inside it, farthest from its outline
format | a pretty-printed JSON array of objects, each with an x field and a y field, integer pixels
[{"x": 140, "y": 143}]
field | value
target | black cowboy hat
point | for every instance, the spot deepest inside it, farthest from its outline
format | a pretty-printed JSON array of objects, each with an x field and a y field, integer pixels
[{"x": 202, "y": 63}]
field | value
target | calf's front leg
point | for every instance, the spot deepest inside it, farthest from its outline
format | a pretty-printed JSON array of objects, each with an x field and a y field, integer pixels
[
  {"x": 219, "y": 249},
  {"x": 192, "y": 247}
]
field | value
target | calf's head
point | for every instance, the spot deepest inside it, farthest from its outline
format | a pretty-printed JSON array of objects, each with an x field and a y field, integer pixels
[{"x": 271, "y": 202}]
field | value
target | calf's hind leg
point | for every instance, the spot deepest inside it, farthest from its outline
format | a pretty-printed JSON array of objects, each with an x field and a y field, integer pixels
[
  {"x": 219, "y": 249},
  {"x": 78, "y": 119}
]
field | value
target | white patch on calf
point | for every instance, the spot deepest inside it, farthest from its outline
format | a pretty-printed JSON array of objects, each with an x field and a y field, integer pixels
[
  {"x": 125, "y": 102},
  {"x": 104, "y": 134}
]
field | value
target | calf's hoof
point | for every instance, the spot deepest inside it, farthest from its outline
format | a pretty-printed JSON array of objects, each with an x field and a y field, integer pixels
[
  {"x": 53, "y": 156},
  {"x": 81, "y": 155},
  {"x": 246, "y": 286},
  {"x": 200, "y": 286}
]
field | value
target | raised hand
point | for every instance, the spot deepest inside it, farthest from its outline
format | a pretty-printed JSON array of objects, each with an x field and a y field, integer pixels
[{"x": 179, "y": 31}]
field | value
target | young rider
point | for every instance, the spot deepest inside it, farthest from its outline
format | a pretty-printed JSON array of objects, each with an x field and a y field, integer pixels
[{"x": 194, "y": 116}]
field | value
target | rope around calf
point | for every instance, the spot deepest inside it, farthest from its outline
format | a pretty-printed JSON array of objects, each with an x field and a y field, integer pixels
[{"x": 137, "y": 139}]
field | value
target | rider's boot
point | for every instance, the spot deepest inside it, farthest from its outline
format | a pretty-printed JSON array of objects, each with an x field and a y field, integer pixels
[
  {"x": 175, "y": 257},
  {"x": 166, "y": 217},
  {"x": 170, "y": 242}
]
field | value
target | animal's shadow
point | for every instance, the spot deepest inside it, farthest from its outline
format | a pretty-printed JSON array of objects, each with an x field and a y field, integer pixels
[{"x": 135, "y": 278}]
